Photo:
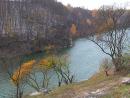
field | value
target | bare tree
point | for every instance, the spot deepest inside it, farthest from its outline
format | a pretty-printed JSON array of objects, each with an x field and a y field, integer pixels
[
  {"x": 63, "y": 72},
  {"x": 37, "y": 83},
  {"x": 111, "y": 33},
  {"x": 10, "y": 65}
]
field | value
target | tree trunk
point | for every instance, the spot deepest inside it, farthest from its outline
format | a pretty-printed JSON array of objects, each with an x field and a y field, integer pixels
[
  {"x": 106, "y": 72},
  {"x": 117, "y": 63}
]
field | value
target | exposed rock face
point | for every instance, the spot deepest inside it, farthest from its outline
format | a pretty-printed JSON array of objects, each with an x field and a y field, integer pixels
[{"x": 26, "y": 24}]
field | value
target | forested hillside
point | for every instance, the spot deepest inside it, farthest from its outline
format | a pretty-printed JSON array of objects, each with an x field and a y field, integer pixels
[{"x": 28, "y": 26}]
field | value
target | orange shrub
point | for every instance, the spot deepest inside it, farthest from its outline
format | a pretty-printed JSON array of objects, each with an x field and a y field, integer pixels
[{"x": 22, "y": 71}]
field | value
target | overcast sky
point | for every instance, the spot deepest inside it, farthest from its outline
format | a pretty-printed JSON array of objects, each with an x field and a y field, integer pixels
[{"x": 94, "y": 4}]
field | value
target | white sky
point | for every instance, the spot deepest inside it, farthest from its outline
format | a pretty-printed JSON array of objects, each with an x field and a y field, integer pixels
[{"x": 94, "y": 4}]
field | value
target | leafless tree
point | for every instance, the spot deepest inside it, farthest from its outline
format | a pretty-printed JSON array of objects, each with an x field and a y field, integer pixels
[
  {"x": 63, "y": 72},
  {"x": 10, "y": 65},
  {"x": 36, "y": 82},
  {"x": 111, "y": 33}
]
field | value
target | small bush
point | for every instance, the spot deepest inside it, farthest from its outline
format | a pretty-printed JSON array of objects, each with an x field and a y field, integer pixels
[{"x": 106, "y": 65}]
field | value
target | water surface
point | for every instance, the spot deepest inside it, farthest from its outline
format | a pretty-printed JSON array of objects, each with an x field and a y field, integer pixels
[{"x": 85, "y": 59}]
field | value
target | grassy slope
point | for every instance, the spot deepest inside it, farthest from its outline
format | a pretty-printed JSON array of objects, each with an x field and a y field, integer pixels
[
  {"x": 119, "y": 91},
  {"x": 99, "y": 80}
]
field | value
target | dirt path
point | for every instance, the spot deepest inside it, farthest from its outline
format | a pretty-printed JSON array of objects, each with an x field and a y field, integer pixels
[{"x": 102, "y": 89}]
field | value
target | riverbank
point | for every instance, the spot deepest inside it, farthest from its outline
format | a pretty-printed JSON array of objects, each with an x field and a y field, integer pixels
[
  {"x": 81, "y": 57},
  {"x": 99, "y": 86}
]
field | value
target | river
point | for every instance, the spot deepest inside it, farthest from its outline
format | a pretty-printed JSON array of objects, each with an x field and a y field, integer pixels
[{"x": 85, "y": 59}]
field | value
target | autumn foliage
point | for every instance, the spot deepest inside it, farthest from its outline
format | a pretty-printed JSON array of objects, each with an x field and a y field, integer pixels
[
  {"x": 22, "y": 71},
  {"x": 73, "y": 29},
  {"x": 46, "y": 63}
]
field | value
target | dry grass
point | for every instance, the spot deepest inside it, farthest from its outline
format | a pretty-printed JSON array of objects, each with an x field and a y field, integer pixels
[{"x": 69, "y": 91}]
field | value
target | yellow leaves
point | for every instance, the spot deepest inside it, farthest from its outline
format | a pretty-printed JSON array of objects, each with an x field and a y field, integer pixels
[
  {"x": 28, "y": 64},
  {"x": 22, "y": 71},
  {"x": 25, "y": 69},
  {"x": 73, "y": 29},
  {"x": 46, "y": 63}
]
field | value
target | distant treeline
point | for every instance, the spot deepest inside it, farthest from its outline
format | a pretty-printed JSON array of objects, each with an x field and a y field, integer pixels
[{"x": 31, "y": 25}]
